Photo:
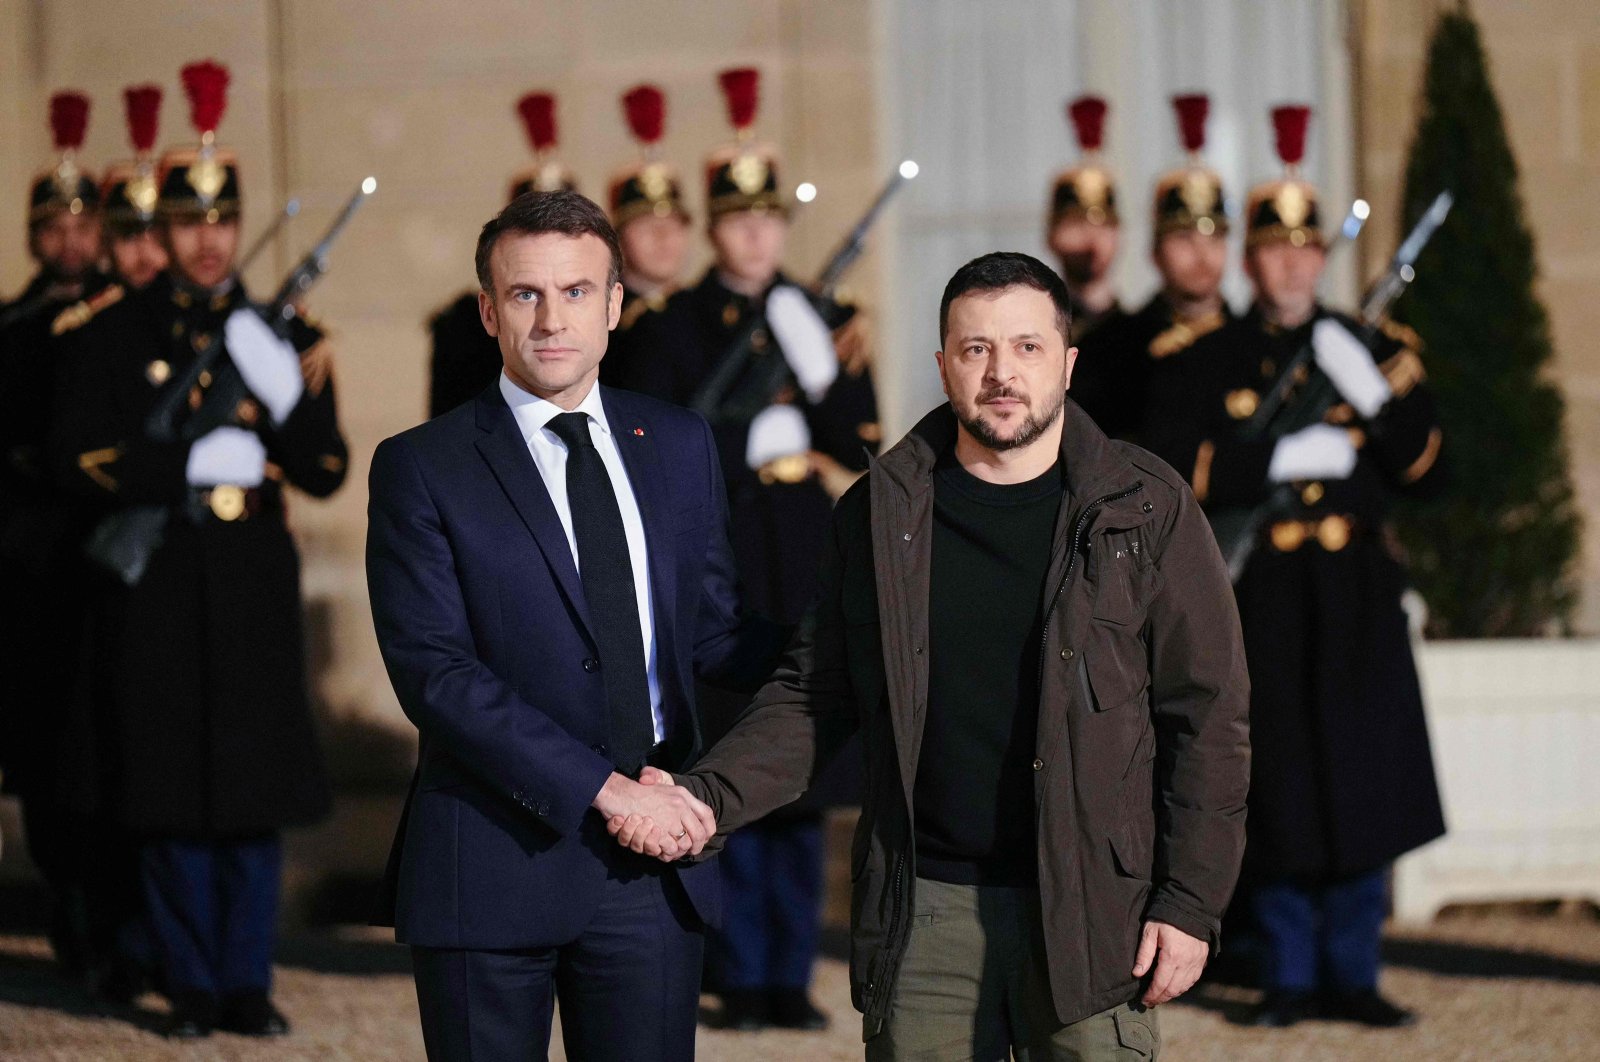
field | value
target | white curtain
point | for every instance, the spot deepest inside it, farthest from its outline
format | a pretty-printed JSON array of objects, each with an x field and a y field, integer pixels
[{"x": 976, "y": 92}]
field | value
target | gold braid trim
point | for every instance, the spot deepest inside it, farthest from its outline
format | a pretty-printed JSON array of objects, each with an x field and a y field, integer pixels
[
  {"x": 1183, "y": 334},
  {"x": 1403, "y": 371},
  {"x": 1202, "y": 470},
  {"x": 92, "y": 465},
  {"x": 81, "y": 313},
  {"x": 1430, "y": 456}
]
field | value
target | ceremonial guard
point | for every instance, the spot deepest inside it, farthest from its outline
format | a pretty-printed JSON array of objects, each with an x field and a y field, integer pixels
[
  {"x": 1342, "y": 777},
  {"x": 183, "y": 417},
  {"x": 466, "y": 358},
  {"x": 130, "y": 194},
  {"x": 1084, "y": 229},
  {"x": 40, "y": 572},
  {"x": 652, "y": 223},
  {"x": 794, "y": 418},
  {"x": 1190, "y": 250}
]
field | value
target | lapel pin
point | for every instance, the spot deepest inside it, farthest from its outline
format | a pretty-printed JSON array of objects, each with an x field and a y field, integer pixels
[{"x": 638, "y": 431}]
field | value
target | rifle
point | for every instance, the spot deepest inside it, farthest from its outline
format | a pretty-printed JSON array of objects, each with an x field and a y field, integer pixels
[
  {"x": 124, "y": 541},
  {"x": 290, "y": 209},
  {"x": 743, "y": 383},
  {"x": 228, "y": 389},
  {"x": 1237, "y": 529}
]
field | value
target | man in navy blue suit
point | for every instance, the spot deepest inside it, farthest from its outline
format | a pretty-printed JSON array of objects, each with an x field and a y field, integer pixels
[{"x": 550, "y": 572}]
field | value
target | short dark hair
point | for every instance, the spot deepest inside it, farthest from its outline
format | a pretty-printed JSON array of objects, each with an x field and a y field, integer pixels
[
  {"x": 533, "y": 213},
  {"x": 1008, "y": 269}
]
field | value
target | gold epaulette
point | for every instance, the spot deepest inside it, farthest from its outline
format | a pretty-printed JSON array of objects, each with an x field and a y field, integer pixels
[
  {"x": 1403, "y": 371},
  {"x": 1182, "y": 335},
  {"x": 643, "y": 305},
  {"x": 1402, "y": 334},
  {"x": 81, "y": 313}
]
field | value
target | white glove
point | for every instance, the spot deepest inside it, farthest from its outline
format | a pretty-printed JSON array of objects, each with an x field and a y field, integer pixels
[
  {"x": 777, "y": 431},
  {"x": 270, "y": 366},
  {"x": 1320, "y": 451},
  {"x": 1349, "y": 365},
  {"x": 803, "y": 334},
  {"x": 227, "y": 455}
]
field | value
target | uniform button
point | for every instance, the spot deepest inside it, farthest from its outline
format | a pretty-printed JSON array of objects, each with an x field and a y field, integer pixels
[
  {"x": 591, "y": 665},
  {"x": 543, "y": 809},
  {"x": 907, "y": 536},
  {"x": 1038, "y": 765},
  {"x": 1067, "y": 654},
  {"x": 1149, "y": 507},
  {"x": 918, "y": 650}
]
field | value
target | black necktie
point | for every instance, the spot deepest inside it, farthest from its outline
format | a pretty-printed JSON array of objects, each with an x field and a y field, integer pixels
[{"x": 607, "y": 572}]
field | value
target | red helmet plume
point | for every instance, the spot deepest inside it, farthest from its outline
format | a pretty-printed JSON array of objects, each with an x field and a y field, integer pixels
[
  {"x": 144, "y": 113},
  {"x": 1290, "y": 123},
  {"x": 206, "y": 85},
  {"x": 1088, "y": 114},
  {"x": 742, "y": 87},
  {"x": 538, "y": 111},
  {"x": 69, "y": 119}
]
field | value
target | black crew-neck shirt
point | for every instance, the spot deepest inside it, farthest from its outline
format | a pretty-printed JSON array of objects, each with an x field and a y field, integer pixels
[{"x": 974, "y": 788}]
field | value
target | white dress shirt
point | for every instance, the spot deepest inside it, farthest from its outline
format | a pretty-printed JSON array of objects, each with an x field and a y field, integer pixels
[{"x": 550, "y": 455}]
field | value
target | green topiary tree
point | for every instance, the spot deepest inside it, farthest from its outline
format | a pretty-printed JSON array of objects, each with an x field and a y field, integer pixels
[{"x": 1493, "y": 554}]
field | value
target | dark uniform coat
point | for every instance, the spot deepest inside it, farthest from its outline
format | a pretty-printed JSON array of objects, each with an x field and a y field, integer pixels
[
  {"x": 201, "y": 672},
  {"x": 778, "y": 528},
  {"x": 40, "y": 538},
  {"x": 1111, "y": 378},
  {"x": 1342, "y": 780},
  {"x": 465, "y": 359}
]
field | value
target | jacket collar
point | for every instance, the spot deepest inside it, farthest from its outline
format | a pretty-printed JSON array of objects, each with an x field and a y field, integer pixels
[{"x": 1092, "y": 466}]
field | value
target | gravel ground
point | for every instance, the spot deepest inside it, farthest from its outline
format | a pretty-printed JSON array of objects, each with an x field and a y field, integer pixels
[{"x": 1500, "y": 986}]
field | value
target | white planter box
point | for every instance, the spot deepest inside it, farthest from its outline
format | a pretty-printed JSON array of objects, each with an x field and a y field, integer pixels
[{"x": 1516, "y": 741}]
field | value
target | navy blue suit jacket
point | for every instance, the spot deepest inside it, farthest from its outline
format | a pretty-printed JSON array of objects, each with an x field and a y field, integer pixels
[{"x": 481, "y": 618}]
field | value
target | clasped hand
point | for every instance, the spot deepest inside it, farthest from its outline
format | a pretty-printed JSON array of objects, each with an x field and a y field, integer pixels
[{"x": 654, "y": 816}]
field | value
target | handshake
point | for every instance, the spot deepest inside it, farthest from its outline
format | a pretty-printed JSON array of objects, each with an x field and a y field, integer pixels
[{"x": 654, "y": 816}]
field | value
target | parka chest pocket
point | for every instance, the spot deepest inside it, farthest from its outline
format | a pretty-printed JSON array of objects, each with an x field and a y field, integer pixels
[{"x": 1120, "y": 570}]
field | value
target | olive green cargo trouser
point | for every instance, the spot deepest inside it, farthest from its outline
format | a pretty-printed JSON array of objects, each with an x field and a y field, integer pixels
[{"x": 974, "y": 985}]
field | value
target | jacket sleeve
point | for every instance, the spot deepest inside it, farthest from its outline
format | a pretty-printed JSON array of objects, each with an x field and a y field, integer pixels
[
  {"x": 1183, "y": 429},
  {"x": 425, "y": 635},
  {"x": 308, "y": 445},
  {"x": 98, "y": 449},
  {"x": 844, "y": 425},
  {"x": 800, "y": 719},
  {"x": 1404, "y": 439},
  {"x": 1200, "y": 699}
]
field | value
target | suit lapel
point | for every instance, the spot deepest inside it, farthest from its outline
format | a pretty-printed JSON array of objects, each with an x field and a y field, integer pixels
[
  {"x": 639, "y": 445},
  {"x": 503, "y": 447}
]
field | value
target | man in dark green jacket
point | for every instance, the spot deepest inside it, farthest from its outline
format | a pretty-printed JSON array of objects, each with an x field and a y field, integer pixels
[{"x": 1032, "y": 629}]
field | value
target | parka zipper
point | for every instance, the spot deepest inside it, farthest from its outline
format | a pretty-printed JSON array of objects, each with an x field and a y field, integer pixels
[
  {"x": 893, "y": 952},
  {"x": 1072, "y": 561}
]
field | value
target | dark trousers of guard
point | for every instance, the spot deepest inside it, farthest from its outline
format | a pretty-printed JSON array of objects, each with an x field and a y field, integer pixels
[
  {"x": 1321, "y": 936},
  {"x": 772, "y": 906},
  {"x": 211, "y": 909}
]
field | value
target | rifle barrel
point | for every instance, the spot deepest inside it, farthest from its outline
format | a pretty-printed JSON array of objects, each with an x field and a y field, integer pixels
[{"x": 290, "y": 209}]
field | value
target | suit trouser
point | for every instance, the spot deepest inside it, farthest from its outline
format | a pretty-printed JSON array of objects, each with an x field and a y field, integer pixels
[
  {"x": 772, "y": 905},
  {"x": 628, "y": 985},
  {"x": 212, "y": 911},
  {"x": 974, "y": 984},
  {"x": 1322, "y": 936}
]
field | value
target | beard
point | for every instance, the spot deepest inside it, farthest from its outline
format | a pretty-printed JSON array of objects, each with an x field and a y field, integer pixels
[
  {"x": 1078, "y": 268},
  {"x": 1032, "y": 426}
]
